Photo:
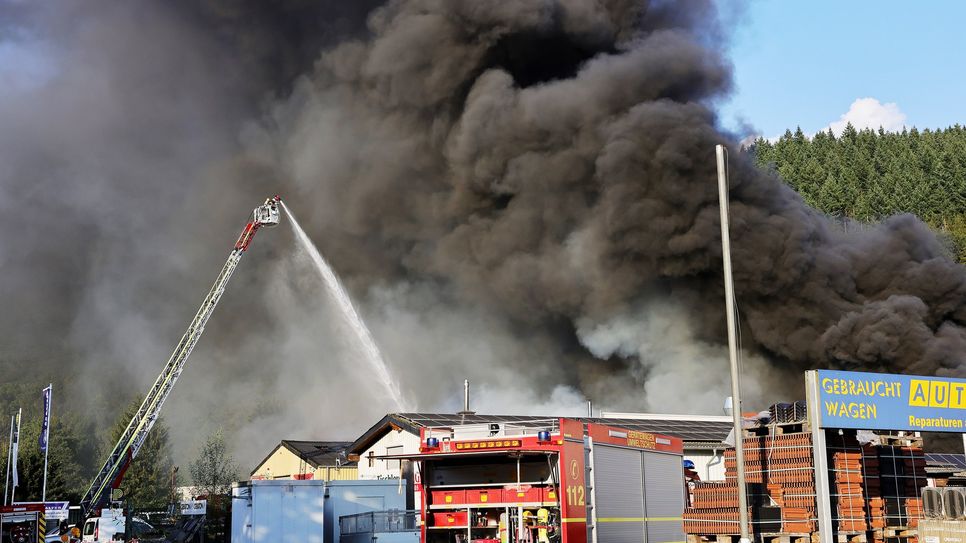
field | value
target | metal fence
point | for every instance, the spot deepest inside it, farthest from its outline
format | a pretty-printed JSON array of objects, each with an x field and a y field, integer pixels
[{"x": 395, "y": 520}]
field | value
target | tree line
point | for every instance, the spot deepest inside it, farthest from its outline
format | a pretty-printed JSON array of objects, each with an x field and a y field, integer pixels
[
  {"x": 78, "y": 446},
  {"x": 867, "y": 175}
]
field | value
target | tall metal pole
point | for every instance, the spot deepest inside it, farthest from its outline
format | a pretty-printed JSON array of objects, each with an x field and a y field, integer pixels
[
  {"x": 13, "y": 489},
  {"x": 720, "y": 151},
  {"x": 6, "y": 481},
  {"x": 48, "y": 414},
  {"x": 823, "y": 503}
]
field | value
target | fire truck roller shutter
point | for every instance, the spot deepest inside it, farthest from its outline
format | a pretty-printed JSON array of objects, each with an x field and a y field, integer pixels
[
  {"x": 663, "y": 497},
  {"x": 620, "y": 508}
]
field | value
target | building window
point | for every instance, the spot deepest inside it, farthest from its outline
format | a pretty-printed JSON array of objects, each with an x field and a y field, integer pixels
[
  {"x": 372, "y": 459},
  {"x": 393, "y": 465}
]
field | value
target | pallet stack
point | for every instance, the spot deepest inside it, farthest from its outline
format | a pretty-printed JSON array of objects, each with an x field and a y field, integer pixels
[
  {"x": 781, "y": 497},
  {"x": 714, "y": 509},
  {"x": 902, "y": 474},
  {"x": 782, "y": 462},
  {"x": 846, "y": 483},
  {"x": 875, "y": 489}
]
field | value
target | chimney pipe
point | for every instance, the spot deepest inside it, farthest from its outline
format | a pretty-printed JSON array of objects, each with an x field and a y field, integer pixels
[
  {"x": 466, "y": 399},
  {"x": 590, "y": 408}
]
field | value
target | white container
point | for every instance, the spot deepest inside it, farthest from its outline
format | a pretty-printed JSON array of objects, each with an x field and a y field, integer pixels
[
  {"x": 294, "y": 511},
  {"x": 282, "y": 511}
]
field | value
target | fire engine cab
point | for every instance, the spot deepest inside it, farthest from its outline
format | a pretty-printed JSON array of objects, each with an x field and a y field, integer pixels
[{"x": 554, "y": 480}]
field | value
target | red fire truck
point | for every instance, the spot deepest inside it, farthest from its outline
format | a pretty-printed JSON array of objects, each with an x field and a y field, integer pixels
[{"x": 559, "y": 480}]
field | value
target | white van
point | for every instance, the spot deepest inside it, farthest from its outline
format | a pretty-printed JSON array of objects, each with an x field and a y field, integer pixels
[
  {"x": 110, "y": 526},
  {"x": 107, "y": 527}
]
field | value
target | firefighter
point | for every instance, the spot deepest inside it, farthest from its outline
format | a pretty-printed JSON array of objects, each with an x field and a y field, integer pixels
[
  {"x": 527, "y": 525},
  {"x": 543, "y": 520},
  {"x": 501, "y": 531},
  {"x": 691, "y": 480}
]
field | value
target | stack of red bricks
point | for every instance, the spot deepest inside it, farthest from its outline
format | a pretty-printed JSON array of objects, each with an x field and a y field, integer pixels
[
  {"x": 711, "y": 513},
  {"x": 848, "y": 495},
  {"x": 784, "y": 463},
  {"x": 901, "y": 476},
  {"x": 780, "y": 473},
  {"x": 874, "y": 489},
  {"x": 714, "y": 507},
  {"x": 872, "y": 485}
]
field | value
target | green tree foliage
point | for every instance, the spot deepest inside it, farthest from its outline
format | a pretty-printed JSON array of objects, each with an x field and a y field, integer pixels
[
  {"x": 73, "y": 440},
  {"x": 147, "y": 483},
  {"x": 65, "y": 477},
  {"x": 213, "y": 472},
  {"x": 868, "y": 175},
  {"x": 214, "y": 469}
]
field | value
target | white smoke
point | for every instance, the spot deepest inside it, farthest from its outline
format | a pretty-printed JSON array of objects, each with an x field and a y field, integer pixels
[{"x": 678, "y": 372}]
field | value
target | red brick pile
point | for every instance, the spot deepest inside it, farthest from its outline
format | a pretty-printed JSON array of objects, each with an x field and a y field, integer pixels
[
  {"x": 781, "y": 498},
  {"x": 902, "y": 474},
  {"x": 875, "y": 489}
]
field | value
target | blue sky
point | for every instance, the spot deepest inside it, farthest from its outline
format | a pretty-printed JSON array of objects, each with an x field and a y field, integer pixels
[{"x": 804, "y": 63}]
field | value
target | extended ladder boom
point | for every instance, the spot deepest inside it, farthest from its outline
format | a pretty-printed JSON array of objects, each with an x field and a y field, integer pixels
[{"x": 137, "y": 430}]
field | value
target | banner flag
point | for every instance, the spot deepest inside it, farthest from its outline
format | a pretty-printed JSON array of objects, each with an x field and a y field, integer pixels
[
  {"x": 14, "y": 448},
  {"x": 45, "y": 425}
]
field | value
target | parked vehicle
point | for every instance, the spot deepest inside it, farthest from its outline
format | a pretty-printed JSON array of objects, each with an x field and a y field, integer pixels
[{"x": 110, "y": 526}]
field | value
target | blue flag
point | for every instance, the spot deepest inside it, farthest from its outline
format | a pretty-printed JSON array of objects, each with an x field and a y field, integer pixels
[
  {"x": 45, "y": 427},
  {"x": 15, "y": 449}
]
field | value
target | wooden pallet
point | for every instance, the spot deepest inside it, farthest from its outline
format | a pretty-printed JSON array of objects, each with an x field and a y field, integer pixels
[
  {"x": 790, "y": 538},
  {"x": 900, "y": 441},
  {"x": 851, "y": 537},
  {"x": 712, "y": 538},
  {"x": 899, "y": 531},
  {"x": 762, "y": 537},
  {"x": 779, "y": 428}
]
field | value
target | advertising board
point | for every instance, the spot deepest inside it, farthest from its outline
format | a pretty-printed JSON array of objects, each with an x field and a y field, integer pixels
[
  {"x": 882, "y": 401},
  {"x": 194, "y": 507}
]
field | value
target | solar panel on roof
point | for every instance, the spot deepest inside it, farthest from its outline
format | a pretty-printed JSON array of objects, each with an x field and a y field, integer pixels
[
  {"x": 957, "y": 461},
  {"x": 707, "y": 431}
]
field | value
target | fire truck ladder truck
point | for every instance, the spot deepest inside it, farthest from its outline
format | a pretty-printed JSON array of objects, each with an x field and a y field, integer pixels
[{"x": 126, "y": 449}]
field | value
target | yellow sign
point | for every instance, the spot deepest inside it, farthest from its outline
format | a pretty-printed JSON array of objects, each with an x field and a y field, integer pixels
[
  {"x": 643, "y": 440},
  {"x": 894, "y": 402}
]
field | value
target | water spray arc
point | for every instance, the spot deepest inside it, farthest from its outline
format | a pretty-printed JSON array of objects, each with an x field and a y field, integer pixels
[{"x": 351, "y": 316}]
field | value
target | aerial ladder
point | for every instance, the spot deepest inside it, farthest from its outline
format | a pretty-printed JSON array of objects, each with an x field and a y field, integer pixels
[{"x": 126, "y": 449}]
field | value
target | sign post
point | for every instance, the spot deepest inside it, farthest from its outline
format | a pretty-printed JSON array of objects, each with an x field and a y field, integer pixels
[
  {"x": 823, "y": 501},
  {"x": 44, "y": 439}
]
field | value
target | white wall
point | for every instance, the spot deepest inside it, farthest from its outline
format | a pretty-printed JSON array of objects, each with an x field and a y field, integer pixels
[
  {"x": 394, "y": 442},
  {"x": 710, "y": 467}
]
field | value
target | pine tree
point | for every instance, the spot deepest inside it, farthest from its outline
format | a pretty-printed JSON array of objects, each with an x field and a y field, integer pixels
[
  {"x": 868, "y": 175},
  {"x": 64, "y": 474}
]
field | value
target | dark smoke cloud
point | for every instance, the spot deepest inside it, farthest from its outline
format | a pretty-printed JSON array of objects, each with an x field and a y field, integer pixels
[
  {"x": 554, "y": 160},
  {"x": 518, "y": 192}
]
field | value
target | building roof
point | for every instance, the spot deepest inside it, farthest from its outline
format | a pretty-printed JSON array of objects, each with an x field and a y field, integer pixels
[
  {"x": 943, "y": 462},
  {"x": 703, "y": 430},
  {"x": 314, "y": 453}
]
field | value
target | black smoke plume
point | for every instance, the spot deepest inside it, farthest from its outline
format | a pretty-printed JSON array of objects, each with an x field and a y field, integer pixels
[{"x": 519, "y": 192}]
